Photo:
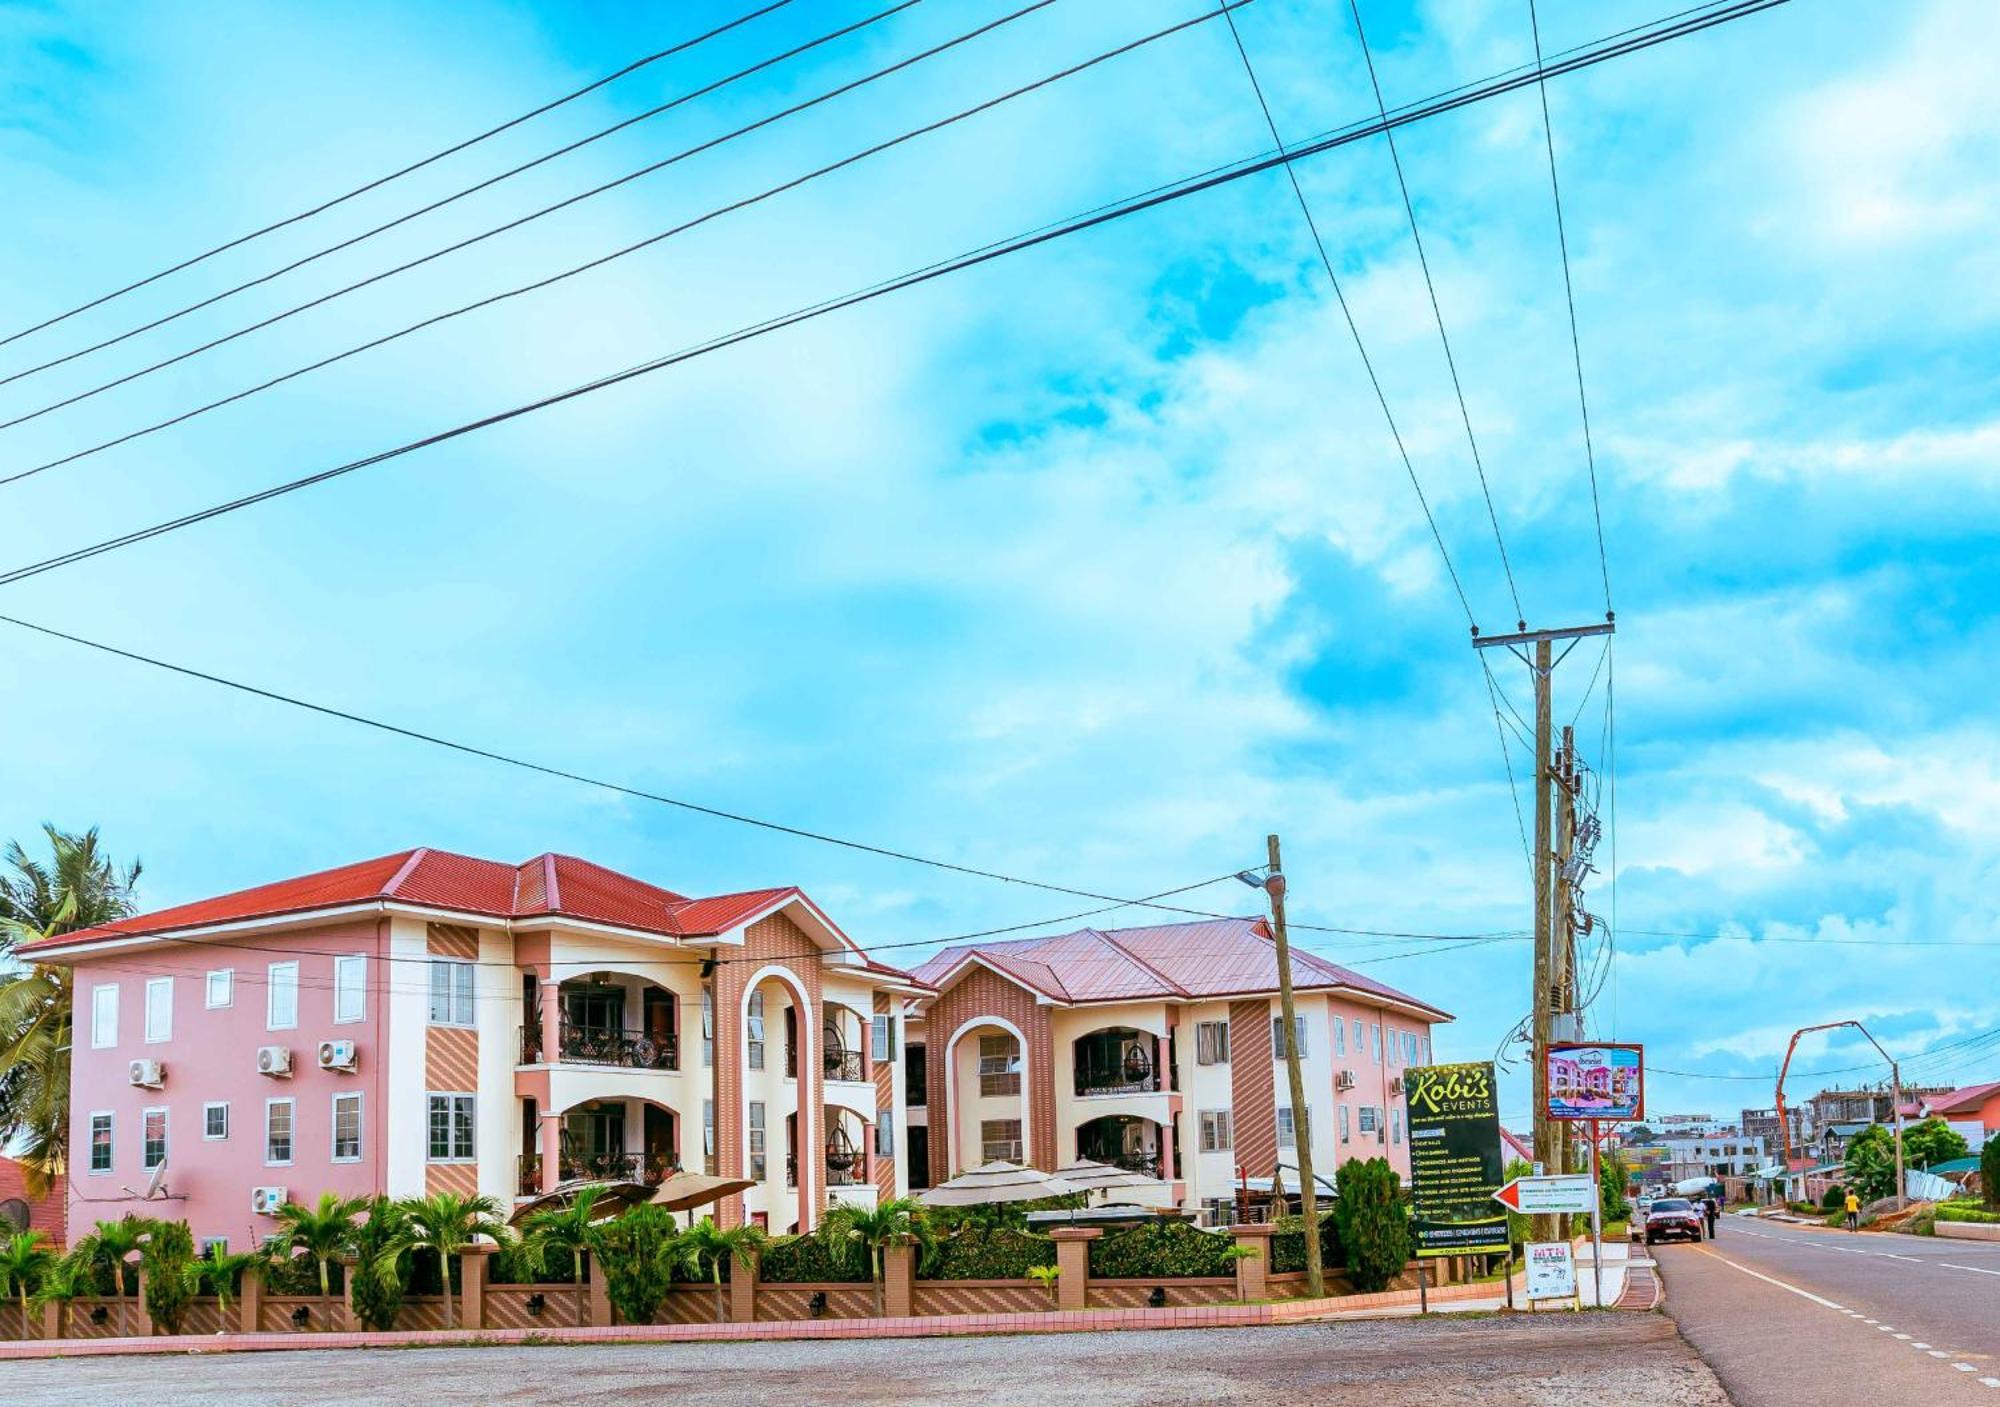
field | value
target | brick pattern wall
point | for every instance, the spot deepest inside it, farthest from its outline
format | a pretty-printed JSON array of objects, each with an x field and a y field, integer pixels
[
  {"x": 45, "y": 1214},
  {"x": 885, "y": 1096},
  {"x": 451, "y": 1060},
  {"x": 776, "y": 1302},
  {"x": 774, "y": 941},
  {"x": 982, "y": 993},
  {"x": 507, "y": 1307},
  {"x": 1252, "y": 1087}
]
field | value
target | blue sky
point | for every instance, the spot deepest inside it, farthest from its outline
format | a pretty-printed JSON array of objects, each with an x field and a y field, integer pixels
[{"x": 1094, "y": 564}]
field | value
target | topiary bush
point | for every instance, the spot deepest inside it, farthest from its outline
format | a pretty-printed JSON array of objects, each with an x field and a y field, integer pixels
[
  {"x": 1288, "y": 1243},
  {"x": 635, "y": 1252},
  {"x": 806, "y": 1260},
  {"x": 1835, "y": 1199},
  {"x": 165, "y": 1255},
  {"x": 1374, "y": 1222},
  {"x": 988, "y": 1255},
  {"x": 1166, "y": 1250}
]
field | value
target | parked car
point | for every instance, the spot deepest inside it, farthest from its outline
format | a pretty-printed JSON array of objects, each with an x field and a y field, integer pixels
[
  {"x": 1635, "y": 1227},
  {"x": 1672, "y": 1218}
]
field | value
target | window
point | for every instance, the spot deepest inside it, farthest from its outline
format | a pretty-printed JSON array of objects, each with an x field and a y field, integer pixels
[
  {"x": 100, "y": 1143},
  {"x": 103, "y": 1017},
  {"x": 1339, "y": 1037},
  {"x": 1278, "y": 1037},
  {"x": 214, "y": 1247},
  {"x": 1368, "y": 1118},
  {"x": 1287, "y": 1135},
  {"x": 1427, "y": 1050},
  {"x": 1000, "y": 1139},
  {"x": 882, "y": 1037},
  {"x": 152, "y": 1139},
  {"x": 757, "y": 1140},
  {"x": 1409, "y": 1047},
  {"x": 281, "y": 997},
  {"x": 1395, "y": 1125},
  {"x": 756, "y": 1030},
  {"x": 708, "y": 1035},
  {"x": 1360, "y": 1043},
  {"x": 450, "y": 1125},
  {"x": 347, "y": 1128},
  {"x": 1211, "y": 1042},
  {"x": 885, "y": 1140},
  {"x": 278, "y": 1132},
  {"x": 1216, "y": 1134},
  {"x": 215, "y": 1122},
  {"x": 1343, "y": 1123},
  {"x": 159, "y": 1010},
  {"x": 1000, "y": 1069},
  {"x": 708, "y": 1128},
  {"x": 220, "y": 989},
  {"x": 1377, "y": 1047},
  {"x": 451, "y": 992},
  {"x": 350, "y": 988}
]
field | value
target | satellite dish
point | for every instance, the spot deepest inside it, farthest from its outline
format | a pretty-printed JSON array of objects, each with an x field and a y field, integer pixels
[{"x": 156, "y": 1185}]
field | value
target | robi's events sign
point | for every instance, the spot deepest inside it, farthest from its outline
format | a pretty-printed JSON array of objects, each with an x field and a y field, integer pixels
[
  {"x": 1596, "y": 1080},
  {"x": 1454, "y": 1159}
]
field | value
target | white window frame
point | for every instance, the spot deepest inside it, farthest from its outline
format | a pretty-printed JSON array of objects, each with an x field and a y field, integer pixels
[
  {"x": 1343, "y": 1123},
  {"x": 1005, "y": 1068},
  {"x": 1395, "y": 1125},
  {"x": 1427, "y": 1050},
  {"x": 1367, "y": 1121},
  {"x": 1360, "y": 1038},
  {"x": 1339, "y": 1038},
  {"x": 1298, "y": 1031},
  {"x": 281, "y": 977},
  {"x": 708, "y": 1029},
  {"x": 291, "y": 1107},
  {"x": 431, "y": 1097},
  {"x": 1410, "y": 1048},
  {"x": 350, "y": 980},
  {"x": 208, "y": 1108},
  {"x": 1218, "y": 1131},
  {"x": 1211, "y": 1037},
  {"x": 1377, "y": 1042},
  {"x": 1287, "y": 1135},
  {"x": 146, "y": 1161},
  {"x": 460, "y": 1009},
  {"x": 885, "y": 1139},
  {"x": 110, "y": 1121},
  {"x": 882, "y": 1037},
  {"x": 104, "y": 1017},
  {"x": 754, "y": 1031},
  {"x": 228, "y": 976},
  {"x": 214, "y": 1247},
  {"x": 333, "y": 1128},
  {"x": 162, "y": 1031},
  {"x": 708, "y": 1128},
  {"x": 757, "y": 1140},
  {"x": 1018, "y": 1143}
]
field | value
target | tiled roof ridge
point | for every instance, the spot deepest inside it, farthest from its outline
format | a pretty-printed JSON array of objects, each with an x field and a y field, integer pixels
[
  {"x": 1133, "y": 957},
  {"x": 411, "y": 860}
]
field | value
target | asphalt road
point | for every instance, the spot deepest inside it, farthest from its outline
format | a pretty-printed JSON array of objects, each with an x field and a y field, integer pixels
[
  {"x": 1786, "y": 1315},
  {"x": 1553, "y": 1360}
]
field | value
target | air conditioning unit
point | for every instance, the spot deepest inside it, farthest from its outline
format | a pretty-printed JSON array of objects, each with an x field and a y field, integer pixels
[
  {"x": 337, "y": 1055},
  {"x": 147, "y": 1074},
  {"x": 1343, "y": 1079},
  {"x": 274, "y": 1060},
  {"x": 1396, "y": 1086},
  {"x": 265, "y": 1201}
]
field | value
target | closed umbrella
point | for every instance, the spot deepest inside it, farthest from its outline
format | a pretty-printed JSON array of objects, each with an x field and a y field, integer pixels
[{"x": 998, "y": 1182}]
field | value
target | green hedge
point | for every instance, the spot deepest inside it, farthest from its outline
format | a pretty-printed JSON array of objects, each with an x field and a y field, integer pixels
[
  {"x": 300, "y": 1276},
  {"x": 1167, "y": 1250},
  {"x": 507, "y": 1266},
  {"x": 1288, "y": 1244},
  {"x": 988, "y": 1255},
  {"x": 805, "y": 1260},
  {"x": 1965, "y": 1211}
]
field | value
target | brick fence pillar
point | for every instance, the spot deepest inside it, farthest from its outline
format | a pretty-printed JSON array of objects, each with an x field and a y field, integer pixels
[
  {"x": 743, "y": 1289},
  {"x": 600, "y": 1298},
  {"x": 250, "y": 1303},
  {"x": 142, "y": 1321},
  {"x": 348, "y": 1320},
  {"x": 899, "y": 1274},
  {"x": 55, "y": 1316},
  {"x": 1073, "y": 1260},
  {"x": 1253, "y": 1271},
  {"x": 472, "y": 1285}
]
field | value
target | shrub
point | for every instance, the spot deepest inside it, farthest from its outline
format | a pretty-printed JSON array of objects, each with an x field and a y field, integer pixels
[
  {"x": 1989, "y": 1173},
  {"x": 166, "y": 1254},
  {"x": 1288, "y": 1243},
  {"x": 999, "y": 1254},
  {"x": 1374, "y": 1222},
  {"x": 1834, "y": 1200},
  {"x": 636, "y": 1254},
  {"x": 806, "y": 1260},
  {"x": 378, "y": 1295},
  {"x": 1965, "y": 1211},
  {"x": 1166, "y": 1250}
]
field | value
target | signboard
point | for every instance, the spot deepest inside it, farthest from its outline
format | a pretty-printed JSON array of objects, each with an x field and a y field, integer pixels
[
  {"x": 1455, "y": 1163},
  {"x": 1566, "y": 1192},
  {"x": 1551, "y": 1271},
  {"x": 1596, "y": 1080}
]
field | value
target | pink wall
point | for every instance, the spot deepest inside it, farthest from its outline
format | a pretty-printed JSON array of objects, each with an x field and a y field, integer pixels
[
  {"x": 212, "y": 1056},
  {"x": 1372, "y": 1082}
]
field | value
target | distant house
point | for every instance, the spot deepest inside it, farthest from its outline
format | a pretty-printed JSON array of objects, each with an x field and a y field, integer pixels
[
  {"x": 21, "y": 1212},
  {"x": 1973, "y": 1112}
]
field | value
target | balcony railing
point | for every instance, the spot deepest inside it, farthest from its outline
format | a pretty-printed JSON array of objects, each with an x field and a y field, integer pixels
[
  {"x": 1132, "y": 1073},
  {"x": 846, "y": 1174},
  {"x": 528, "y": 1174},
  {"x": 649, "y": 1168},
  {"x": 1145, "y": 1164},
  {"x": 845, "y": 1065},
  {"x": 624, "y": 1047}
]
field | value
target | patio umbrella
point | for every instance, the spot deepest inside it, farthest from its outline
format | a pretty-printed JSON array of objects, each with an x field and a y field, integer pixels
[
  {"x": 1093, "y": 1176},
  {"x": 998, "y": 1182},
  {"x": 684, "y": 1190},
  {"x": 612, "y": 1198}
]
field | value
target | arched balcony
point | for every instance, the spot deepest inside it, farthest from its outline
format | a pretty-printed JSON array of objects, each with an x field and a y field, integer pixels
[
  {"x": 1124, "y": 1141},
  {"x": 606, "y": 1140},
  {"x": 1117, "y": 1060},
  {"x": 843, "y": 1034},
  {"x": 604, "y": 1018}
]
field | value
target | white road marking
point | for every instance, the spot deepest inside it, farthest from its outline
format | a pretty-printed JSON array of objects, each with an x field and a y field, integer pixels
[
  {"x": 1902, "y": 1336},
  {"x": 1888, "y": 1329},
  {"x": 1939, "y": 1353},
  {"x": 1965, "y": 1367},
  {"x": 1975, "y": 1269},
  {"x": 1891, "y": 1255},
  {"x": 1919, "y": 1345},
  {"x": 1989, "y": 1382}
]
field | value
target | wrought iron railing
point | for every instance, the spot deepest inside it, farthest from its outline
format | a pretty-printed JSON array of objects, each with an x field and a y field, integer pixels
[
  {"x": 621, "y": 1046},
  {"x": 649, "y": 1168},
  {"x": 1132, "y": 1072},
  {"x": 1146, "y": 1164},
  {"x": 528, "y": 1174},
  {"x": 845, "y": 1065},
  {"x": 845, "y": 1174}
]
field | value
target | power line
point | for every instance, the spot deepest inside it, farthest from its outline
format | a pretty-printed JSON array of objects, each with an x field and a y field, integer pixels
[
  {"x": 458, "y": 195},
  {"x": 574, "y": 270},
  {"x": 1569, "y": 297},
  {"x": 418, "y": 165},
  {"x": 1437, "y": 313},
  {"x": 1625, "y": 43}
]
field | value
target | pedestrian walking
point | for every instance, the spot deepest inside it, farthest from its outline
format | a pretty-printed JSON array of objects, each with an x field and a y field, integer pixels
[
  {"x": 1853, "y": 1211},
  {"x": 1711, "y": 1210}
]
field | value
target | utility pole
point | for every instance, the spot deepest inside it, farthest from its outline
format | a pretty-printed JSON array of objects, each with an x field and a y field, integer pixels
[
  {"x": 1274, "y": 885},
  {"x": 1551, "y": 966},
  {"x": 1563, "y": 1020}
]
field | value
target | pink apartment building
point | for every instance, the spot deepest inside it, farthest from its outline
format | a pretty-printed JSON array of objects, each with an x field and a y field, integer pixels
[
  {"x": 428, "y": 1021},
  {"x": 1160, "y": 1049}
]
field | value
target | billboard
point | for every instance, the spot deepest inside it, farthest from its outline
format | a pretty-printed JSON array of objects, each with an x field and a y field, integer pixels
[
  {"x": 1455, "y": 1163},
  {"x": 1596, "y": 1080}
]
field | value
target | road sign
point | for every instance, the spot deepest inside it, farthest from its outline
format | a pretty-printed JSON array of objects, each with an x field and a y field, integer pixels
[
  {"x": 1551, "y": 1271},
  {"x": 1565, "y": 1192}
]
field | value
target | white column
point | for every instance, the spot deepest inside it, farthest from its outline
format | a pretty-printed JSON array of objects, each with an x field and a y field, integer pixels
[{"x": 408, "y": 980}]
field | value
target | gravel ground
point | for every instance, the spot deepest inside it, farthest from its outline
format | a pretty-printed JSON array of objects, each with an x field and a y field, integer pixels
[{"x": 1554, "y": 1360}]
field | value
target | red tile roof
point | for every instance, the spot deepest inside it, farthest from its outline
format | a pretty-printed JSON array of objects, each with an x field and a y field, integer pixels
[
  {"x": 1209, "y": 958},
  {"x": 548, "y": 885},
  {"x": 1963, "y": 1101}
]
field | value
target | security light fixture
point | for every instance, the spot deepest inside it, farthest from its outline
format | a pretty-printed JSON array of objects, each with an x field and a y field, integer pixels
[
  {"x": 1158, "y": 1299},
  {"x": 301, "y": 1316},
  {"x": 817, "y": 1304},
  {"x": 536, "y": 1304}
]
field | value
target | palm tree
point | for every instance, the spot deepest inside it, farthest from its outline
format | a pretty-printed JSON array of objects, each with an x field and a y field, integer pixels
[
  {"x": 705, "y": 1248},
  {"x": 65, "y": 1279},
  {"x": 77, "y": 888},
  {"x": 24, "y": 1260},
  {"x": 323, "y": 1232},
  {"x": 108, "y": 1247},
  {"x": 446, "y": 1223},
  {"x": 562, "y": 1229},
  {"x": 218, "y": 1273},
  {"x": 872, "y": 1229}
]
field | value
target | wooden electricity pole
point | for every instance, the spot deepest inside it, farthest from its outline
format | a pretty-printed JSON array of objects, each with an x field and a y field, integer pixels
[
  {"x": 1274, "y": 885},
  {"x": 1552, "y": 962}
]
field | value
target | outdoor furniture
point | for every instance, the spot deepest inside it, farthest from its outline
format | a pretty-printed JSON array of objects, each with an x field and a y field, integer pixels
[{"x": 998, "y": 1182}]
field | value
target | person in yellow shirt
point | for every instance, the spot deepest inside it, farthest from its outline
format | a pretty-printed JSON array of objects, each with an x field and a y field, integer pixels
[{"x": 1853, "y": 1211}]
